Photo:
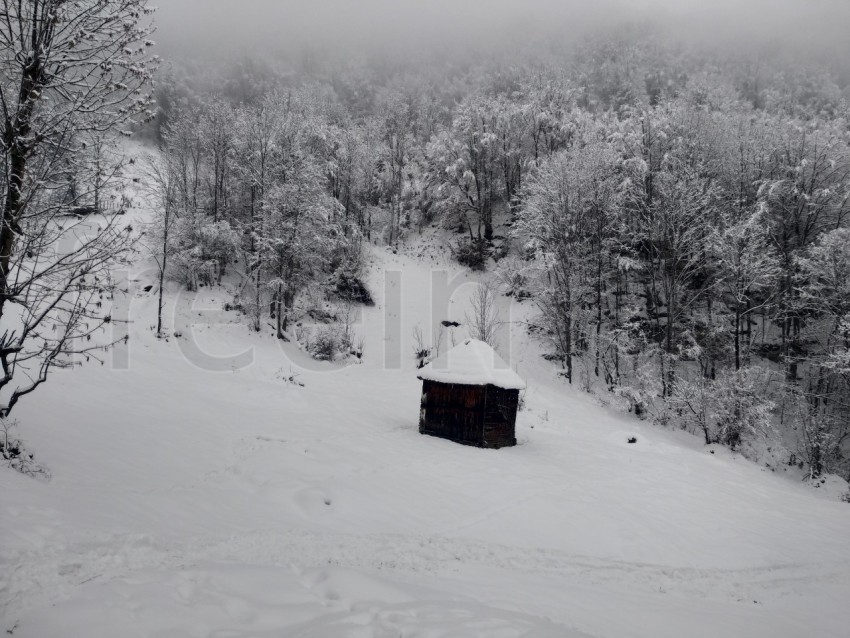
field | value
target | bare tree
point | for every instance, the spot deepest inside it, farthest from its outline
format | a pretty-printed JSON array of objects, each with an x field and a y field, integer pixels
[
  {"x": 259, "y": 132},
  {"x": 68, "y": 69},
  {"x": 396, "y": 127},
  {"x": 564, "y": 221},
  {"x": 217, "y": 125},
  {"x": 162, "y": 179},
  {"x": 484, "y": 318},
  {"x": 436, "y": 341}
]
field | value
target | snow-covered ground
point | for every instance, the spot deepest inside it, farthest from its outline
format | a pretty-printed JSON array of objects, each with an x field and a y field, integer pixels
[{"x": 197, "y": 492}]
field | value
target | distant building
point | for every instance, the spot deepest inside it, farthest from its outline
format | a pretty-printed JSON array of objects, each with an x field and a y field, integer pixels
[{"x": 470, "y": 395}]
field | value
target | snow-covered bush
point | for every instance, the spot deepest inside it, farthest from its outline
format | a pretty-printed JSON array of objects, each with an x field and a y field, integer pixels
[
  {"x": 641, "y": 387},
  {"x": 744, "y": 406},
  {"x": 512, "y": 275},
  {"x": 203, "y": 250},
  {"x": 217, "y": 241},
  {"x": 732, "y": 409},
  {"x": 327, "y": 343},
  {"x": 192, "y": 271},
  {"x": 821, "y": 434}
]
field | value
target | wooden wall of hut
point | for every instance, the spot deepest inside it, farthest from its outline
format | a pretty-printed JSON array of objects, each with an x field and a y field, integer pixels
[
  {"x": 500, "y": 417},
  {"x": 453, "y": 412},
  {"x": 474, "y": 415}
]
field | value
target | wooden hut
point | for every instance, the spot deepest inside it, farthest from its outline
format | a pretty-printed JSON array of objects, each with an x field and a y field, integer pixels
[{"x": 470, "y": 395}]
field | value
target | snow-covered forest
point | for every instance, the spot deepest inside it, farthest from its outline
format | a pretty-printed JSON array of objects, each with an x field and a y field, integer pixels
[
  {"x": 679, "y": 219},
  {"x": 648, "y": 220}
]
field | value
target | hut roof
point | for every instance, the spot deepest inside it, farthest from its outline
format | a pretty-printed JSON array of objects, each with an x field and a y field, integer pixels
[{"x": 472, "y": 362}]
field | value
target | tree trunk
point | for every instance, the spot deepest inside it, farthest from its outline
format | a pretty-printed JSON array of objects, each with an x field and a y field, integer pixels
[
  {"x": 737, "y": 336},
  {"x": 568, "y": 354},
  {"x": 598, "y": 310},
  {"x": 279, "y": 312},
  {"x": 162, "y": 273}
]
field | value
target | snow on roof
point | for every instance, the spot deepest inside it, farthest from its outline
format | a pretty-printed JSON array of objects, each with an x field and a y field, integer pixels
[{"x": 472, "y": 362}]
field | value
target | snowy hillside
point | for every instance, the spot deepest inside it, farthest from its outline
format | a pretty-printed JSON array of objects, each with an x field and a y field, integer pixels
[
  {"x": 198, "y": 492},
  {"x": 468, "y": 319}
]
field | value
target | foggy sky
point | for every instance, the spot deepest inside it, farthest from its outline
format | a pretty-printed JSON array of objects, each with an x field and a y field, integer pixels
[{"x": 219, "y": 26}]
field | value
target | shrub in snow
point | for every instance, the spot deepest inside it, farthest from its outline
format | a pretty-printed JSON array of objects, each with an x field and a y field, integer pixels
[
  {"x": 217, "y": 241},
  {"x": 357, "y": 347},
  {"x": 421, "y": 352},
  {"x": 350, "y": 287},
  {"x": 471, "y": 253},
  {"x": 422, "y": 356},
  {"x": 321, "y": 314},
  {"x": 192, "y": 271},
  {"x": 639, "y": 390},
  {"x": 424, "y": 353},
  {"x": 14, "y": 453},
  {"x": 328, "y": 343},
  {"x": 289, "y": 377},
  {"x": 203, "y": 250},
  {"x": 513, "y": 275}
]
